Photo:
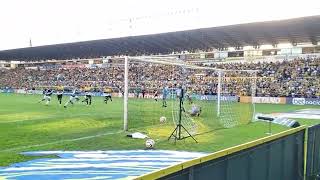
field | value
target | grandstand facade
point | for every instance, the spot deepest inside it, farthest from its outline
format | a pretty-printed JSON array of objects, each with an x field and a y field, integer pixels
[{"x": 245, "y": 39}]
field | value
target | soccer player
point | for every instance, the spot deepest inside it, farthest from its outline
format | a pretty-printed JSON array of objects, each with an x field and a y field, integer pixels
[
  {"x": 73, "y": 98},
  {"x": 137, "y": 92},
  {"x": 143, "y": 92},
  {"x": 107, "y": 95},
  {"x": 47, "y": 96},
  {"x": 155, "y": 95},
  {"x": 59, "y": 95},
  {"x": 88, "y": 98},
  {"x": 195, "y": 110},
  {"x": 165, "y": 93}
]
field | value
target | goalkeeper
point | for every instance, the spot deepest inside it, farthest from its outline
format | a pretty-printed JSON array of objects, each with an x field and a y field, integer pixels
[
  {"x": 165, "y": 92},
  {"x": 195, "y": 110}
]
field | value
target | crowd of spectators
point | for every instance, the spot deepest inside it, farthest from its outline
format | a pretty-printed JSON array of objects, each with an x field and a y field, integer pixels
[{"x": 297, "y": 78}]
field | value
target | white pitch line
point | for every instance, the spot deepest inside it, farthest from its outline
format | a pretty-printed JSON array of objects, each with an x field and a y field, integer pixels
[
  {"x": 50, "y": 117},
  {"x": 58, "y": 142},
  {"x": 70, "y": 140}
]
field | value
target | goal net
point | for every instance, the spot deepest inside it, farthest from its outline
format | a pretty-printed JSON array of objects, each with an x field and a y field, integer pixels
[
  {"x": 210, "y": 97},
  {"x": 231, "y": 86}
]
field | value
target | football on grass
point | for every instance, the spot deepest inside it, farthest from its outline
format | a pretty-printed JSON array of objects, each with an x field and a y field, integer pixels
[
  {"x": 150, "y": 143},
  {"x": 163, "y": 119}
]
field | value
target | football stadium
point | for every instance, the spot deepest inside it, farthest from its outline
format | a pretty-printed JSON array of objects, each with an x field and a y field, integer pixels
[{"x": 234, "y": 101}]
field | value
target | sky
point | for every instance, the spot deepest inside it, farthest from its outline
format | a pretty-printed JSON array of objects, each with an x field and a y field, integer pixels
[{"x": 48, "y": 22}]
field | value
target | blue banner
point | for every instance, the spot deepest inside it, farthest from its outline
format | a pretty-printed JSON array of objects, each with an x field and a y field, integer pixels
[
  {"x": 95, "y": 164},
  {"x": 303, "y": 101},
  {"x": 7, "y": 90}
]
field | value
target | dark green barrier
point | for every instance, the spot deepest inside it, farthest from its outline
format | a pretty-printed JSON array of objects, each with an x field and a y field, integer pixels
[
  {"x": 313, "y": 153},
  {"x": 276, "y": 157}
]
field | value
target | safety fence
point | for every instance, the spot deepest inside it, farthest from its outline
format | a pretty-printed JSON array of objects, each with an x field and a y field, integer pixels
[
  {"x": 313, "y": 153},
  {"x": 288, "y": 155}
]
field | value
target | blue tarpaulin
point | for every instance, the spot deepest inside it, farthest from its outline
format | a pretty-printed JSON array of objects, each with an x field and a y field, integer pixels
[{"x": 94, "y": 164}]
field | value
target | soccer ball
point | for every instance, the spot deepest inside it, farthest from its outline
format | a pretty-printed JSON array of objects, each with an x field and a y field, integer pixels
[
  {"x": 150, "y": 143},
  {"x": 163, "y": 119}
]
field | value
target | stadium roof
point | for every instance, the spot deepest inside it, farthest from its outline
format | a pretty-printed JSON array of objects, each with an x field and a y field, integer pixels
[{"x": 298, "y": 30}]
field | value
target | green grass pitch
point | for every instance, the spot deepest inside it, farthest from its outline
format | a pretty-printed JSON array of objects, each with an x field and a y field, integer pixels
[{"x": 26, "y": 125}]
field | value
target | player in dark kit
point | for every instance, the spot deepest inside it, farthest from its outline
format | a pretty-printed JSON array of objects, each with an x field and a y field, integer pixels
[
  {"x": 155, "y": 95},
  {"x": 47, "y": 96},
  {"x": 59, "y": 96},
  {"x": 143, "y": 92},
  {"x": 88, "y": 98},
  {"x": 107, "y": 95}
]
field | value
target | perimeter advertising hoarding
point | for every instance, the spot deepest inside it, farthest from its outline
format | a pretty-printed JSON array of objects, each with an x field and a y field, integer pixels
[
  {"x": 264, "y": 100},
  {"x": 6, "y": 90},
  {"x": 303, "y": 101},
  {"x": 68, "y": 66},
  {"x": 193, "y": 96}
]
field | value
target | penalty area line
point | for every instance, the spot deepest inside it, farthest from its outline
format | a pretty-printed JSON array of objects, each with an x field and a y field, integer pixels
[
  {"x": 51, "y": 117},
  {"x": 62, "y": 141}
]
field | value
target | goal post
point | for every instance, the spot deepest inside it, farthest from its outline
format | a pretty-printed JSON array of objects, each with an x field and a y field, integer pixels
[
  {"x": 125, "y": 96},
  {"x": 215, "y": 91},
  {"x": 219, "y": 93}
]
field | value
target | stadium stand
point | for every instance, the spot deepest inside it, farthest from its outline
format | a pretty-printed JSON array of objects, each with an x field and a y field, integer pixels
[{"x": 296, "y": 78}]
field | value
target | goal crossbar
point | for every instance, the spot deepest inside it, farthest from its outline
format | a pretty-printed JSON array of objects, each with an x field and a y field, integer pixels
[{"x": 170, "y": 61}]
